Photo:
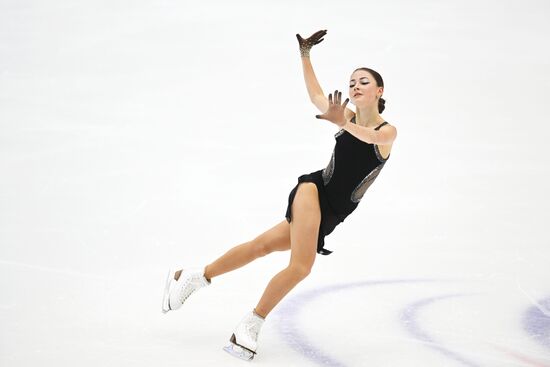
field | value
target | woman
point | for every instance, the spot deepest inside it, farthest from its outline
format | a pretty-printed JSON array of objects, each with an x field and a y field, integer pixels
[{"x": 317, "y": 204}]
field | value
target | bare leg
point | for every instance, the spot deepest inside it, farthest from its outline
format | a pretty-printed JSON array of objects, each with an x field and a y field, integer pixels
[
  {"x": 275, "y": 239},
  {"x": 304, "y": 229}
]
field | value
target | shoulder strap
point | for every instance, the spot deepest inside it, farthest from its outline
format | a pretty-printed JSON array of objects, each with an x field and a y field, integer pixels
[{"x": 379, "y": 126}]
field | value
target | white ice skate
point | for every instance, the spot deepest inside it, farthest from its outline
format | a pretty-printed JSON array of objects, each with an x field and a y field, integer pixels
[
  {"x": 176, "y": 292},
  {"x": 244, "y": 341}
]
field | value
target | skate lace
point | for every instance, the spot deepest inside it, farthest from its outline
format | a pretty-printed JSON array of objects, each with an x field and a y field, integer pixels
[
  {"x": 188, "y": 288},
  {"x": 253, "y": 330}
]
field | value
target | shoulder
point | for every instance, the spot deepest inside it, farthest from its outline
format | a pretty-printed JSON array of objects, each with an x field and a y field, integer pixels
[
  {"x": 387, "y": 133},
  {"x": 387, "y": 126}
]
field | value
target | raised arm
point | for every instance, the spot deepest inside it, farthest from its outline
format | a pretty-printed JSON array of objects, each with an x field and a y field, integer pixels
[{"x": 316, "y": 95}]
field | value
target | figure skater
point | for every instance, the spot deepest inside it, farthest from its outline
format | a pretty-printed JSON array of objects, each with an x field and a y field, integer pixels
[{"x": 316, "y": 205}]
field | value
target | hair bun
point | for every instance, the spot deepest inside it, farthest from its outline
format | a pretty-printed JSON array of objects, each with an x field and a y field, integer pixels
[{"x": 381, "y": 105}]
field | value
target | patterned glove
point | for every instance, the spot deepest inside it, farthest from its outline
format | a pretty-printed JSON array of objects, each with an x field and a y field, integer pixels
[{"x": 307, "y": 44}]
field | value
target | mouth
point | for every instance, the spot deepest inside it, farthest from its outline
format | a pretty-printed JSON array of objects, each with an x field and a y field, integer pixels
[{"x": 357, "y": 94}]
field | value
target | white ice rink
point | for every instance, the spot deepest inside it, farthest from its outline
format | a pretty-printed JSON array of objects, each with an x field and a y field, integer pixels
[{"x": 141, "y": 135}]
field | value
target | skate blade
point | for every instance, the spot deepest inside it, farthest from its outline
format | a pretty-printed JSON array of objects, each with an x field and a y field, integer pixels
[
  {"x": 239, "y": 352},
  {"x": 166, "y": 298}
]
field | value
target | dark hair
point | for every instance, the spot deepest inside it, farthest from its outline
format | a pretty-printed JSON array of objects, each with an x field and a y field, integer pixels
[{"x": 379, "y": 83}]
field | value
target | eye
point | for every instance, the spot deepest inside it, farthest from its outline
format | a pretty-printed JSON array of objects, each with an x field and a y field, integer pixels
[
  {"x": 364, "y": 82},
  {"x": 352, "y": 85}
]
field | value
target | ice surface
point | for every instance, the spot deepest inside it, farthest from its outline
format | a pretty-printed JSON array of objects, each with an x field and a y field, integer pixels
[{"x": 138, "y": 136}]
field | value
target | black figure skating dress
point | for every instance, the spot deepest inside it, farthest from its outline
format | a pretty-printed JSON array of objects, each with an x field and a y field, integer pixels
[{"x": 353, "y": 167}]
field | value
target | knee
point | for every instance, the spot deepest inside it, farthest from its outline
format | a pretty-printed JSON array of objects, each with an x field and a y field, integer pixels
[
  {"x": 301, "y": 271},
  {"x": 260, "y": 248}
]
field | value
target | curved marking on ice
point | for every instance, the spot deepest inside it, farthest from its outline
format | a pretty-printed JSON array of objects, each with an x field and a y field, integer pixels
[
  {"x": 288, "y": 315},
  {"x": 409, "y": 319}
]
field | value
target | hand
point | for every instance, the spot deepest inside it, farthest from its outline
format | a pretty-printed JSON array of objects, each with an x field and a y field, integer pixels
[
  {"x": 335, "y": 112},
  {"x": 308, "y": 43}
]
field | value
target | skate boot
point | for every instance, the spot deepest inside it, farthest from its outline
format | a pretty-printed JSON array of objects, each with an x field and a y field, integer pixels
[
  {"x": 244, "y": 341},
  {"x": 177, "y": 291}
]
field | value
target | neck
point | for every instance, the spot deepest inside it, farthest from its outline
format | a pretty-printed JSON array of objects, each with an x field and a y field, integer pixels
[{"x": 368, "y": 116}]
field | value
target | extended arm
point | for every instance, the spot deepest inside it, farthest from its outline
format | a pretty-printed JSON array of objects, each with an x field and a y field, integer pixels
[
  {"x": 314, "y": 90},
  {"x": 316, "y": 95},
  {"x": 382, "y": 135}
]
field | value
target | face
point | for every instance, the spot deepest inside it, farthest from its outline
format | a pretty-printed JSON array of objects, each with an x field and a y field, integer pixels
[{"x": 363, "y": 90}]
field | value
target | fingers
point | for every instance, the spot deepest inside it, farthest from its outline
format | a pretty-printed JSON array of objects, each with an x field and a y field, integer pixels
[
  {"x": 322, "y": 117},
  {"x": 337, "y": 97},
  {"x": 319, "y": 34}
]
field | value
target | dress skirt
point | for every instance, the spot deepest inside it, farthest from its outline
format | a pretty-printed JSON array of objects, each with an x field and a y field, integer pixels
[{"x": 329, "y": 220}]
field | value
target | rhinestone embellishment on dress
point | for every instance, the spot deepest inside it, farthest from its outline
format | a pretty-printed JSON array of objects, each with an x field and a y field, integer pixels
[
  {"x": 329, "y": 170},
  {"x": 365, "y": 183}
]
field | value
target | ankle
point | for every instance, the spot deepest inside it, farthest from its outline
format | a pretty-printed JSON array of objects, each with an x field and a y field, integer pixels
[
  {"x": 207, "y": 275},
  {"x": 259, "y": 315}
]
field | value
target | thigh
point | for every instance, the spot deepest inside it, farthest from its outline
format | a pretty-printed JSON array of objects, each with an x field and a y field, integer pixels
[
  {"x": 276, "y": 238},
  {"x": 304, "y": 228}
]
